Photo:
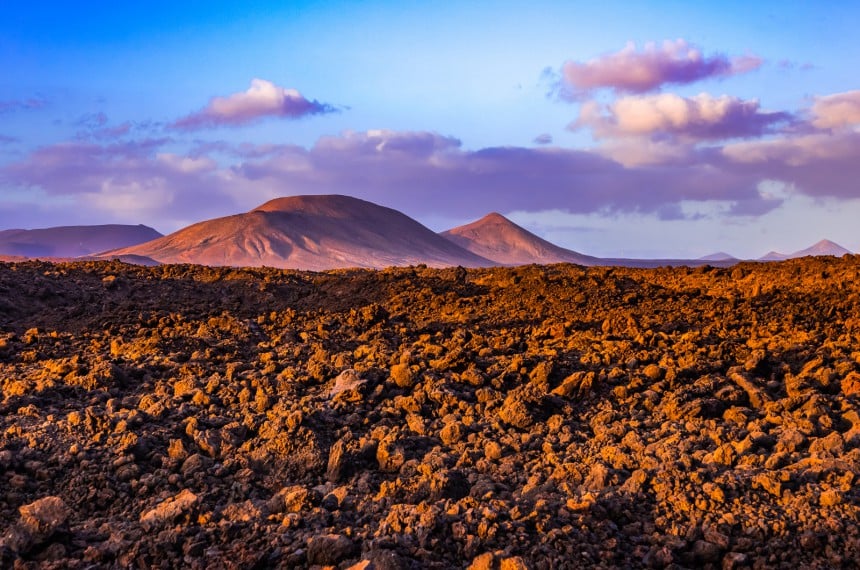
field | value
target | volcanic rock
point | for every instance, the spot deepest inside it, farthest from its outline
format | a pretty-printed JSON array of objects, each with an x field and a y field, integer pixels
[{"x": 545, "y": 416}]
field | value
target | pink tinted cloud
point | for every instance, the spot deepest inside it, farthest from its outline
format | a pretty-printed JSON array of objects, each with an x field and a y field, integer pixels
[
  {"x": 837, "y": 110},
  {"x": 425, "y": 173},
  {"x": 129, "y": 182},
  {"x": 798, "y": 150},
  {"x": 421, "y": 173},
  {"x": 638, "y": 71},
  {"x": 819, "y": 158},
  {"x": 829, "y": 141},
  {"x": 261, "y": 100},
  {"x": 702, "y": 117}
]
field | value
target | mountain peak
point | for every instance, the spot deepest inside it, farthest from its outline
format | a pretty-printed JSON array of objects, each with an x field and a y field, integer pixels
[
  {"x": 718, "y": 256},
  {"x": 498, "y": 239},
  {"x": 494, "y": 217},
  {"x": 323, "y": 204},
  {"x": 823, "y": 247},
  {"x": 315, "y": 232}
]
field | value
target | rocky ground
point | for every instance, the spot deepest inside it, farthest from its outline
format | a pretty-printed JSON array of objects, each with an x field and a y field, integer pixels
[{"x": 536, "y": 417}]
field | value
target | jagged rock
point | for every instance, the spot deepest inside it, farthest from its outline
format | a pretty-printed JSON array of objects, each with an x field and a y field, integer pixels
[
  {"x": 329, "y": 549},
  {"x": 345, "y": 381},
  {"x": 45, "y": 515},
  {"x": 485, "y": 561},
  {"x": 402, "y": 375},
  {"x": 175, "y": 508}
]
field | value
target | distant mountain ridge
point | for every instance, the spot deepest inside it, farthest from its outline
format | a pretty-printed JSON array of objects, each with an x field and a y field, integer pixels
[
  {"x": 315, "y": 232},
  {"x": 498, "y": 239},
  {"x": 72, "y": 241},
  {"x": 321, "y": 232},
  {"x": 718, "y": 256},
  {"x": 823, "y": 247}
]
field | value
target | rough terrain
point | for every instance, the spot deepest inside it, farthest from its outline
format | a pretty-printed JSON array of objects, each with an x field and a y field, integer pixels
[{"x": 532, "y": 417}]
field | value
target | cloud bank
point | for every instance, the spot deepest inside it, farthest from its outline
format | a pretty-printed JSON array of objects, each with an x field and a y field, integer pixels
[
  {"x": 263, "y": 99},
  {"x": 639, "y": 71},
  {"x": 414, "y": 171},
  {"x": 657, "y": 154},
  {"x": 701, "y": 117}
]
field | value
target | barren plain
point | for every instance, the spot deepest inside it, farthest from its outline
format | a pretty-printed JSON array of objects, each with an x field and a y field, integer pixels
[{"x": 505, "y": 418}]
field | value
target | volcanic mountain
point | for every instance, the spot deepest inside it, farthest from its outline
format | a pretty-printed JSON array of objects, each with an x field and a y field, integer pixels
[
  {"x": 498, "y": 239},
  {"x": 718, "y": 256},
  {"x": 72, "y": 241},
  {"x": 824, "y": 247},
  {"x": 309, "y": 232}
]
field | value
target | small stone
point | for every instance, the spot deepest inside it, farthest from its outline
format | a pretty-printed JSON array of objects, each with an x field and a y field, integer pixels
[
  {"x": 241, "y": 512},
  {"x": 515, "y": 411},
  {"x": 769, "y": 483},
  {"x": 715, "y": 537},
  {"x": 402, "y": 375},
  {"x": 390, "y": 455},
  {"x": 733, "y": 560},
  {"x": 653, "y": 372},
  {"x": 44, "y": 516},
  {"x": 451, "y": 433},
  {"x": 598, "y": 477},
  {"x": 296, "y": 499},
  {"x": 168, "y": 512},
  {"x": 193, "y": 464},
  {"x": 346, "y": 380},
  {"x": 492, "y": 450},
  {"x": 176, "y": 449},
  {"x": 483, "y": 561},
  {"x": 705, "y": 551},
  {"x": 513, "y": 563},
  {"x": 338, "y": 464},
  {"x": 851, "y": 384},
  {"x": 830, "y": 498},
  {"x": 329, "y": 549}
]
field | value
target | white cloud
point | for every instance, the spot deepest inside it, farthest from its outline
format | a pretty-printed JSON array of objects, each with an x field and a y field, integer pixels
[{"x": 838, "y": 110}]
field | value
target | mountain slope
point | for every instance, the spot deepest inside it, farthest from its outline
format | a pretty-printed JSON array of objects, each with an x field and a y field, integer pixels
[
  {"x": 72, "y": 241},
  {"x": 309, "y": 232},
  {"x": 496, "y": 238}
]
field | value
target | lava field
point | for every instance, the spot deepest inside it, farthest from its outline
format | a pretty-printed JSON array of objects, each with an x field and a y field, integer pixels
[{"x": 535, "y": 417}]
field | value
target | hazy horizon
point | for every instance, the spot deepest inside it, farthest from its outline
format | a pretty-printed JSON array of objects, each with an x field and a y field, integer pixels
[{"x": 666, "y": 130}]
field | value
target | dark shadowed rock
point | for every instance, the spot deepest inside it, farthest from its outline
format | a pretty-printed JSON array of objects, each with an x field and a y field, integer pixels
[{"x": 329, "y": 549}]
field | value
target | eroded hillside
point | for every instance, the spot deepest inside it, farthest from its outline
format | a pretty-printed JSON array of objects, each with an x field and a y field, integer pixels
[{"x": 534, "y": 417}]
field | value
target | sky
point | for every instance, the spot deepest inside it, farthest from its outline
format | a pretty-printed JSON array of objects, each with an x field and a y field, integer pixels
[{"x": 634, "y": 129}]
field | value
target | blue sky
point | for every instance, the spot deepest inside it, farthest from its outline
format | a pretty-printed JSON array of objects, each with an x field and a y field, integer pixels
[{"x": 744, "y": 141}]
